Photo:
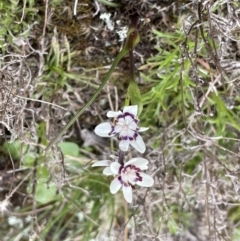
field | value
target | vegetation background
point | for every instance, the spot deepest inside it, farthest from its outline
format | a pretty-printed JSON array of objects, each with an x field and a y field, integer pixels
[{"x": 53, "y": 55}]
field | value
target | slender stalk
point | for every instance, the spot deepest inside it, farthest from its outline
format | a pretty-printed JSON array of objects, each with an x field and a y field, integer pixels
[
  {"x": 116, "y": 61},
  {"x": 121, "y": 157},
  {"x": 131, "y": 72},
  {"x": 132, "y": 40}
]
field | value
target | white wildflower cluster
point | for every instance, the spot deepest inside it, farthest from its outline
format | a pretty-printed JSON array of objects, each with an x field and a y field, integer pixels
[
  {"x": 126, "y": 175},
  {"x": 122, "y": 31}
]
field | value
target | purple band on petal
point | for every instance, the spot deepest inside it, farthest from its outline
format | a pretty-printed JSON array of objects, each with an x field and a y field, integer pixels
[
  {"x": 120, "y": 116},
  {"x": 112, "y": 132},
  {"x": 120, "y": 180},
  {"x": 131, "y": 115},
  {"x": 120, "y": 170},
  {"x": 128, "y": 114},
  {"x": 135, "y": 135},
  {"x": 134, "y": 168},
  {"x": 130, "y": 138},
  {"x": 139, "y": 178}
]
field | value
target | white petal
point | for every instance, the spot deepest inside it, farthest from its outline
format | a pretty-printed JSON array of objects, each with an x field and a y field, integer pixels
[
  {"x": 115, "y": 166},
  {"x": 115, "y": 185},
  {"x": 133, "y": 125},
  {"x": 103, "y": 129},
  {"x": 118, "y": 128},
  {"x": 130, "y": 133},
  {"x": 114, "y": 113},
  {"x": 123, "y": 145},
  {"x": 132, "y": 109},
  {"x": 128, "y": 119},
  {"x": 107, "y": 171},
  {"x": 126, "y": 132},
  {"x": 147, "y": 180},
  {"x": 139, "y": 144},
  {"x": 141, "y": 129},
  {"x": 114, "y": 157},
  {"x": 127, "y": 193},
  {"x": 139, "y": 162},
  {"x": 123, "y": 132},
  {"x": 121, "y": 122},
  {"x": 104, "y": 163}
]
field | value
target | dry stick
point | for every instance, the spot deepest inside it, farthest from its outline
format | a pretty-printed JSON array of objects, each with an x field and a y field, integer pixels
[
  {"x": 35, "y": 225},
  {"x": 1, "y": 122},
  {"x": 116, "y": 98},
  {"x": 41, "y": 101},
  {"x": 125, "y": 235},
  {"x": 207, "y": 193},
  {"x": 182, "y": 89},
  {"x": 75, "y": 8},
  {"x": 8, "y": 196},
  {"x": 109, "y": 99},
  {"x": 34, "y": 204},
  {"x": 186, "y": 54},
  {"x": 42, "y": 38},
  {"x": 208, "y": 47},
  {"x": 193, "y": 64},
  {"x": 131, "y": 216}
]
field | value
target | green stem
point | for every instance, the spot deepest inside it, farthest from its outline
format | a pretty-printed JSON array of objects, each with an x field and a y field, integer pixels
[
  {"x": 131, "y": 65},
  {"x": 116, "y": 61}
]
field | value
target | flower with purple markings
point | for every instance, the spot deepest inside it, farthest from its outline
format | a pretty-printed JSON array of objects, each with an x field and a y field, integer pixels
[
  {"x": 125, "y": 125},
  {"x": 127, "y": 175}
]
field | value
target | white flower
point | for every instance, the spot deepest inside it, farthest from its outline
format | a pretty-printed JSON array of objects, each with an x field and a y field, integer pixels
[
  {"x": 125, "y": 124},
  {"x": 127, "y": 175}
]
